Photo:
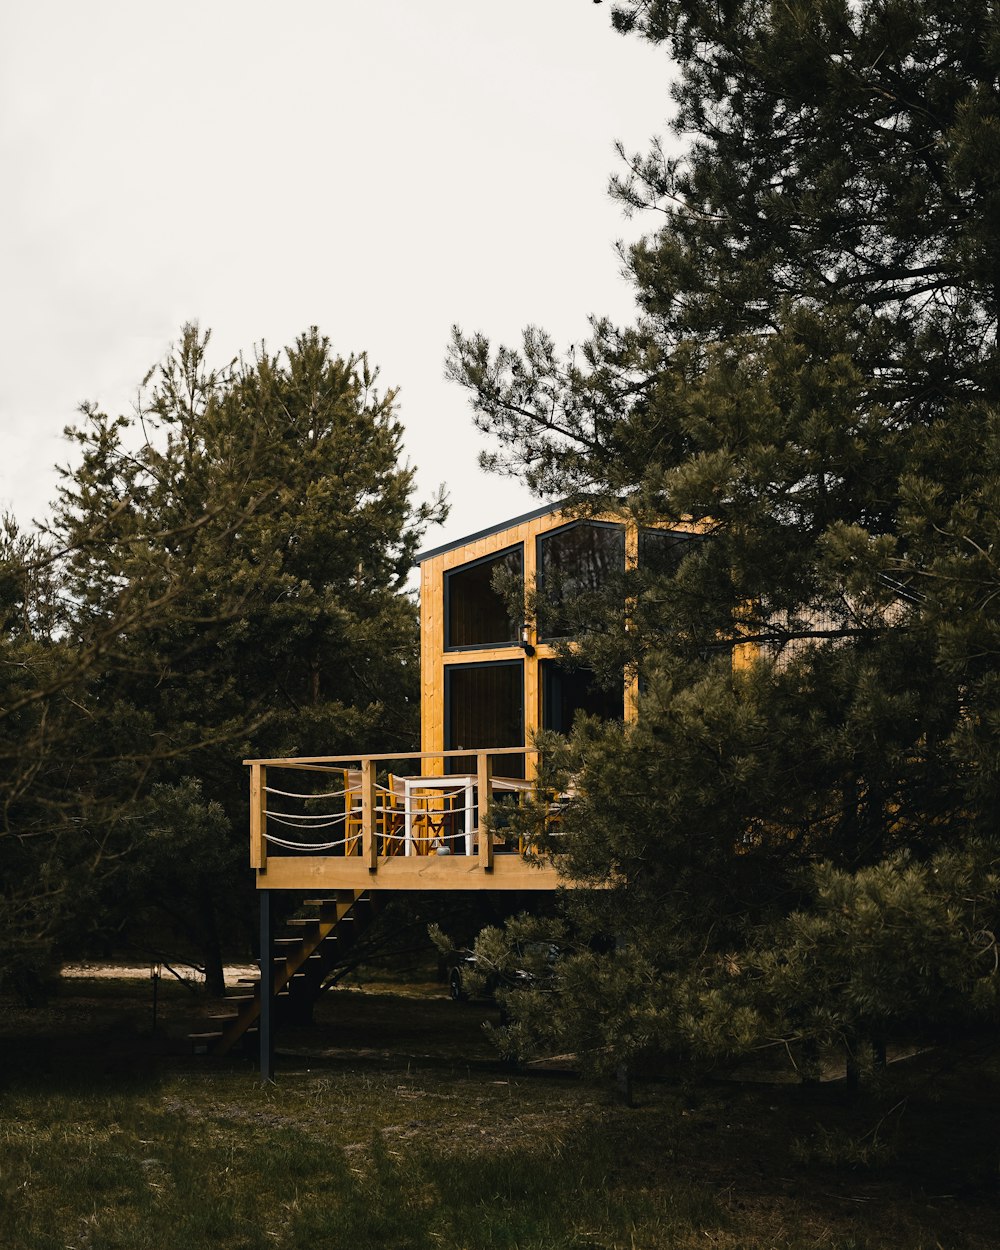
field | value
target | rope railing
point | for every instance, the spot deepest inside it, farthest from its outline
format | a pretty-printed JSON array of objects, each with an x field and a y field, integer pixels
[
  {"x": 305, "y": 819},
  {"x": 273, "y": 839},
  {"x": 410, "y": 814},
  {"x": 322, "y": 846},
  {"x": 292, "y": 794},
  {"x": 306, "y": 822}
]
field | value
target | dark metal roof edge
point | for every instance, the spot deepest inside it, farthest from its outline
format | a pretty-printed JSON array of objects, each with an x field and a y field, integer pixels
[{"x": 493, "y": 529}]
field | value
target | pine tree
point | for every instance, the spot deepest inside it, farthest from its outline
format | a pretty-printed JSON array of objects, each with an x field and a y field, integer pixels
[
  {"x": 42, "y": 841},
  {"x": 813, "y": 379},
  {"x": 238, "y": 548}
]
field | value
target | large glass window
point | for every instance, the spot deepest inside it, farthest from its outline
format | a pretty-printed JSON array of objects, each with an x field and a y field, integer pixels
[
  {"x": 660, "y": 551},
  {"x": 484, "y": 707},
  {"x": 575, "y": 565},
  {"x": 567, "y": 691},
  {"x": 476, "y": 615}
]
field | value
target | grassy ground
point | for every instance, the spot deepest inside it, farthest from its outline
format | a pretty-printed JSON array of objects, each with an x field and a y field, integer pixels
[{"x": 392, "y": 1125}]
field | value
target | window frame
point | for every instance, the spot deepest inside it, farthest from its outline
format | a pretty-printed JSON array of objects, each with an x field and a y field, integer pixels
[
  {"x": 680, "y": 538},
  {"x": 620, "y": 526},
  {"x": 517, "y": 662},
  {"x": 449, "y": 648},
  {"x": 548, "y": 674}
]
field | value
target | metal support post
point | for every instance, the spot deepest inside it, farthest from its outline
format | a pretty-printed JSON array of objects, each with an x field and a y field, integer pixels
[{"x": 266, "y": 988}]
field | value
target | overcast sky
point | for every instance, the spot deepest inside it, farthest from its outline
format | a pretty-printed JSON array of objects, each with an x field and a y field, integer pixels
[{"x": 381, "y": 170}]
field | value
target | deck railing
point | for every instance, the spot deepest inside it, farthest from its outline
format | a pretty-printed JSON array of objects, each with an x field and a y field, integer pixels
[{"x": 380, "y": 807}]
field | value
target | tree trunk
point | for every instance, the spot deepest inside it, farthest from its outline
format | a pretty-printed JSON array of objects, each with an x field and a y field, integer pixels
[
  {"x": 623, "y": 1085},
  {"x": 215, "y": 978}
]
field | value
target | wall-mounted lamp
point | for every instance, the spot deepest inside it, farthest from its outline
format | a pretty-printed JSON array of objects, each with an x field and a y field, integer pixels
[{"x": 526, "y": 646}]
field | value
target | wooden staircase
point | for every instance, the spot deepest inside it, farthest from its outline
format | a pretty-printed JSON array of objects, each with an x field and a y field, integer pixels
[{"x": 303, "y": 957}]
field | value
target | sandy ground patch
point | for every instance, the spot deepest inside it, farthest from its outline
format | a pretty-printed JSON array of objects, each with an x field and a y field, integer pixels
[{"x": 144, "y": 972}]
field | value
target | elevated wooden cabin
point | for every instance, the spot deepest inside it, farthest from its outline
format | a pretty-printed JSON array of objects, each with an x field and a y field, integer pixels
[
  {"x": 346, "y": 829},
  {"x": 492, "y": 610}
]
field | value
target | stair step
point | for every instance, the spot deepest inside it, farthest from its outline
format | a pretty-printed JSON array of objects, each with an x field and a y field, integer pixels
[
  {"x": 299, "y": 975},
  {"x": 313, "y": 924}
]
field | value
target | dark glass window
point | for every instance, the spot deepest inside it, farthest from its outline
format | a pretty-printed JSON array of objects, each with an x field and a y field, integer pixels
[
  {"x": 484, "y": 707},
  {"x": 575, "y": 564},
  {"x": 565, "y": 692},
  {"x": 660, "y": 551},
  {"x": 476, "y": 615}
]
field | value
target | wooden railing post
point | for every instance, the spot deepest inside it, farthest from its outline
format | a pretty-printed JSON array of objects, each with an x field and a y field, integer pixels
[
  {"x": 369, "y": 847},
  {"x": 484, "y": 834},
  {"x": 258, "y": 817}
]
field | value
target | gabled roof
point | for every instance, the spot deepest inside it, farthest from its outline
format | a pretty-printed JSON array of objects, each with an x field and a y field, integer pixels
[{"x": 493, "y": 529}]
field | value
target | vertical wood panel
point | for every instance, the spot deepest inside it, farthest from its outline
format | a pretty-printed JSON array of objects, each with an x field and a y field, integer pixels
[
  {"x": 258, "y": 817},
  {"x": 433, "y": 658},
  {"x": 484, "y": 836},
  {"x": 532, "y": 694},
  {"x": 369, "y": 846},
  {"x": 431, "y": 654},
  {"x": 631, "y": 675}
]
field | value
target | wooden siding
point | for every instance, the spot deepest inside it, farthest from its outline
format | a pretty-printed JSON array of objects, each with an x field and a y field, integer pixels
[
  {"x": 433, "y": 656},
  {"x": 508, "y": 872},
  {"x": 434, "y": 659}
]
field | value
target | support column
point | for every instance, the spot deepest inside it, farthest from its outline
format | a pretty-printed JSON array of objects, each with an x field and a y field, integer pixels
[
  {"x": 483, "y": 771},
  {"x": 266, "y": 988}
]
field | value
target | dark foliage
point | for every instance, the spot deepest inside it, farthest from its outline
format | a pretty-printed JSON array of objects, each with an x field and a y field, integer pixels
[
  {"x": 224, "y": 577},
  {"x": 799, "y": 836}
]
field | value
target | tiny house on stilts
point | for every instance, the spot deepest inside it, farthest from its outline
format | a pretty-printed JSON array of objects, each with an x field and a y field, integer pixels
[{"x": 348, "y": 829}]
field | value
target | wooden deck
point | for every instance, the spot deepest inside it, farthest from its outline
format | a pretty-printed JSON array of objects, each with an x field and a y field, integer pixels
[{"x": 383, "y": 822}]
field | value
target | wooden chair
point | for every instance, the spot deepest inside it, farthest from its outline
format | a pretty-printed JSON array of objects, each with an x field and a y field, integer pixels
[
  {"x": 439, "y": 827},
  {"x": 388, "y": 821},
  {"x": 392, "y": 823},
  {"x": 432, "y": 818}
]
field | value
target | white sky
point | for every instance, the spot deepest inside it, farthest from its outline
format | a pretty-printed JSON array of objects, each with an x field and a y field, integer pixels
[{"x": 380, "y": 169}]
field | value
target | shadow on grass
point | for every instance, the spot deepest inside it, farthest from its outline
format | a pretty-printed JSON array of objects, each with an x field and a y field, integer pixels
[
  {"x": 395, "y": 1131},
  {"x": 98, "y": 1170}
]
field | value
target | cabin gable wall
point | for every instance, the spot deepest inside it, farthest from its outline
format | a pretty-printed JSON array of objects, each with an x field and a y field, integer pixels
[{"x": 436, "y": 660}]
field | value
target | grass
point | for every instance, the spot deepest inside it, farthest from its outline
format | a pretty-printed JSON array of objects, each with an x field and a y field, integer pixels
[
  {"x": 392, "y": 1127},
  {"x": 214, "y": 1160}
]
